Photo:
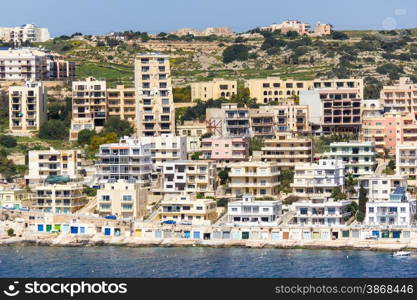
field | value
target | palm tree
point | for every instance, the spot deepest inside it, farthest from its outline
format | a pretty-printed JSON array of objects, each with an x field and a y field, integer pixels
[
  {"x": 350, "y": 183},
  {"x": 386, "y": 153}
]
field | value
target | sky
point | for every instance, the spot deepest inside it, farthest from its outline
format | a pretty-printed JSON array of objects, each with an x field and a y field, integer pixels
[{"x": 154, "y": 16}]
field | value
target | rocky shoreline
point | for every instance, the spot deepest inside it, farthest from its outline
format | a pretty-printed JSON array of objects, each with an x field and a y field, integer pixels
[{"x": 93, "y": 241}]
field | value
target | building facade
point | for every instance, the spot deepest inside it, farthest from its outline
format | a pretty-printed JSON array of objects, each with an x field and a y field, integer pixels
[
  {"x": 256, "y": 178},
  {"x": 225, "y": 150},
  {"x": 52, "y": 162},
  {"x": 58, "y": 198},
  {"x": 89, "y": 105},
  {"x": 129, "y": 160},
  {"x": 321, "y": 211},
  {"x": 287, "y": 151},
  {"x": 13, "y": 198},
  {"x": 406, "y": 160},
  {"x": 121, "y": 103},
  {"x": 189, "y": 176},
  {"x": 400, "y": 97},
  {"x": 23, "y": 64},
  {"x": 155, "y": 114},
  {"x": 358, "y": 157},
  {"x": 215, "y": 89},
  {"x": 250, "y": 212},
  {"x": 380, "y": 187},
  {"x": 25, "y": 33},
  {"x": 187, "y": 209},
  {"x": 318, "y": 180},
  {"x": 28, "y": 108}
]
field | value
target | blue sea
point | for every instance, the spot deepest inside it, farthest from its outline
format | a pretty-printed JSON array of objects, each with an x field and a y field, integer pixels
[{"x": 33, "y": 261}]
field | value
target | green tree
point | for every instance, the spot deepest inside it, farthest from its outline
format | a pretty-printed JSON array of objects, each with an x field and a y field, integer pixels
[
  {"x": 8, "y": 141},
  {"x": 235, "y": 52},
  {"x": 196, "y": 155},
  {"x": 337, "y": 194},
  {"x": 85, "y": 136},
  {"x": 224, "y": 176},
  {"x": 53, "y": 130},
  {"x": 7, "y": 168},
  {"x": 120, "y": 127},
  {"x": 286, "y": 178},
  {"x": 362, "y": 204},
  {"x": 255, "y": 144},
  {"x": 337, "y": 35},
  {"x": 96, "y": 141},
  {"x": 89, "y": 191}
]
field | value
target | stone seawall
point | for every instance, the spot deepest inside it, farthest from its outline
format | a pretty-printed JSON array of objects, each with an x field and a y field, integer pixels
[{"x": 72, "y": 241}]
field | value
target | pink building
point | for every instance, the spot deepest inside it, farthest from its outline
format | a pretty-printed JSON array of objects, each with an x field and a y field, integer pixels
[
  {"x": 388, "y": 130},
  {"x": 225, "y": 149}
]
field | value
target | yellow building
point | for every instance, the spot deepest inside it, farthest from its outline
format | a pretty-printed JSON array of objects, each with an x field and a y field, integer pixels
[{"x": 215, "y": 89}]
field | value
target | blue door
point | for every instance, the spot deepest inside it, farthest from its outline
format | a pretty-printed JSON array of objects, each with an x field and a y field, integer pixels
[
  {"x": 74, "y": 229},
  {"x": 396, "y": 234},
  {"x": 82, "y": 229},
  {"x": 196, "y": 235},
  {"x": 107, "y": 231},
  {"x": 40, "y": 227},
  {"x": 375, "y": 233},
  {"x": 187, "y": 234}
]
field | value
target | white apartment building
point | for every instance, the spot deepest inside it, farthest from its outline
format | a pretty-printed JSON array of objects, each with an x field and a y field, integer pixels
[
  {"x": 189, "y": 176},
  {"x": 380, "y": 187},
  {"x": 358, "y": 157},
  {"x": 23, "y": 64},
  {"x": 321, "y": 212},
  {"x": 318, "y": 180},
  {"x": 52, "y": 162},
  {"x": 24, "y": 33},
  {"x": 89, "y": 106},
  {"x": 398, "y": 210},
  {"x": 166, "y": 147},
  {"x": 215, "y": 89},
  {"x": 256, "y": 178},
  {"x": 186, "y": 209},
  {"x": 28, "y": 108},
  {"x": 122, "y": 198},
  {"x": 130, "y": 159},
  {"x": 406, "y": 160},
  {"x": 155, "y": 114},
  {"x": 250, "y": 212},
  {"x": 58, "y": 198}
]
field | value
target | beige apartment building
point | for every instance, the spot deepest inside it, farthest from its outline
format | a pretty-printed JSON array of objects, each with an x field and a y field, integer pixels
[
  {"x": 89, "y": 106},
  {"x": 122, "y": 198},
  {"x": 406, "y": 160},
  {"x": 287, "y": 150},
  {"x": 14, "y": 197},
  {"x": 401, "y": 97},
  {"x": 272, "y": 89},
  {"x": 58, "y": 198},
  {"x": 28, "y": 108},
  {"x": 256, "y": 178},
  {"x": 193, "y": 130},
  {"x": 121, "y": 103},
  {"x": 266, "y": 120},
  {"x": 215, "y": 89},
  {"x": 187, "y": 209},
  {"x": 155, "y": 114},
  {"x": 52, "y": 162},
  {"x": 220, "y": 31}
]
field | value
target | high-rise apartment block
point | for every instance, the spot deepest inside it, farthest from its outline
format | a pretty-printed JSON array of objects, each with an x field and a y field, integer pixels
[
  {"x": 89, "y": 106},
  {"x": 155, "y": 114},
  {"x": 28, "y": 106}
]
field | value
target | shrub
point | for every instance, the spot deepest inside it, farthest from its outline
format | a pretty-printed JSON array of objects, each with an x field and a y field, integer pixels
[
  {"x": 84, "y": 136},
  {"x": 53, "y": 130},
  {"x": 118, "y": 126},
  {"x": 10, "y": 232},
  {"x": 8, "y": 141},
  {"x": 235, "y": 52}
]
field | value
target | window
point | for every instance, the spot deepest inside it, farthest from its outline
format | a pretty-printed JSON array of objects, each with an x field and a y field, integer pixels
[{"x": 127, "y": 197}]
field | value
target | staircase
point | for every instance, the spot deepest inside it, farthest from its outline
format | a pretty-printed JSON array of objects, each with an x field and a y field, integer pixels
[
  {"x": 287, "y": 218},
  {"x": 89, "y": 207}
]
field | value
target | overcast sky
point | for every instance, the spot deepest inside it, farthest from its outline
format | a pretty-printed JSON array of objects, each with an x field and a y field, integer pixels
[{"x": 103, "y": 16}]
